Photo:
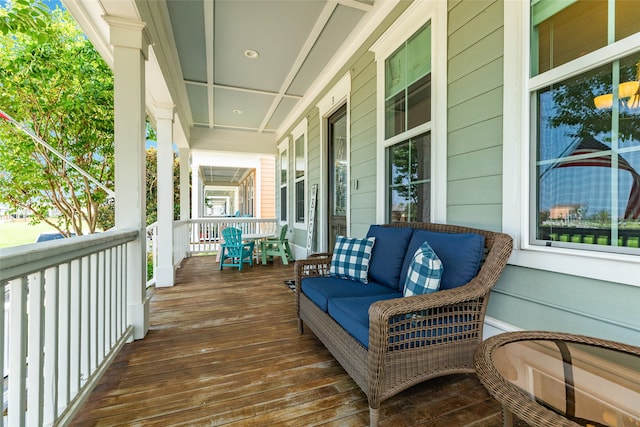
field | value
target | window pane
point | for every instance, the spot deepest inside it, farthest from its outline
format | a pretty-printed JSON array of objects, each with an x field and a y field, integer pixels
[
  {"x": 419, "y": 55},
  {"x": 567, "y": 34},
  {"x": 283, "y": 203},
  {"x": 300, "y": 201},
  {"x": 300, "y": 166},
  {"x": 588, "y": 176},
  {"x": 627, "y": 22},
  {"x": 396, "y": 72},
  {"x": 408, "y": 84},
  {"x": 566, "y": 30},
  {"x": 409, "y": 180},
  {"x": 284, "y": 166},
  {"x": 419, "y": 102},
  {"x": 394, "y": 115}
]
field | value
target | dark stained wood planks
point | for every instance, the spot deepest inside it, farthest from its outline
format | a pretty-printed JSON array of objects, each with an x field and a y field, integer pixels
[{"x": 224, "y": 349}]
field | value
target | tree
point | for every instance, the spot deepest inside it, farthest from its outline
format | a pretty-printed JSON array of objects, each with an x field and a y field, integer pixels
[
  {"x": 152, "y": 186},
  {"x": 106, "y": 212},
  {"x": 55, "y": 82},
  {"x": 25, "y": 16}
]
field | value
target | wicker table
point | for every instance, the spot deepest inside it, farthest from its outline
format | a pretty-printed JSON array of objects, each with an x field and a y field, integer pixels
[{"x": 557, "y": 379}]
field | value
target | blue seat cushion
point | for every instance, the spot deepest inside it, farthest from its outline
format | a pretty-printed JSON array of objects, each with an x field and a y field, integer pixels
[
  {"x": 353, "y": 314},
  {"x": 460, "y": 253},
  {"x": 321, "y": 289},
  {"x": 388, "y": 254}
]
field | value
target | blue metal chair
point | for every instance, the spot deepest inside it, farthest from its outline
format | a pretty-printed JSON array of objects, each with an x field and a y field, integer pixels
[{"x": 234, "y": 251}]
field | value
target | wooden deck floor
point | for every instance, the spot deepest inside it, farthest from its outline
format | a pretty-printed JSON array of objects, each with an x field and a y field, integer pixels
[{"x": 224, "y": 349}]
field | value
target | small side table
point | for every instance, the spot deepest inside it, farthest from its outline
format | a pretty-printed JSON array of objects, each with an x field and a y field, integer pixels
[{"x": 559, "y": 379}]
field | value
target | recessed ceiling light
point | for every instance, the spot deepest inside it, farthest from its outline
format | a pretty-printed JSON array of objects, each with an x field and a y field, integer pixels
[
  {"x": 251, "y": 53},
  {"x": 237, "y": 111}
]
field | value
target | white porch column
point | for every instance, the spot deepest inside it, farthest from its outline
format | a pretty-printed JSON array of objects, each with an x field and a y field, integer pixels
[
  {"x": 184, "y": 183},
  {"x": 164, "y": 120},
  {"x": 129, "y": 54},
  {"x": 196, "y": 192}
]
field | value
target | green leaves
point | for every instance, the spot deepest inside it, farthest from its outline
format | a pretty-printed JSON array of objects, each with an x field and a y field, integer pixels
[
  {"x": 24, "y": 16},
  {"x": 53, "y": 80}
]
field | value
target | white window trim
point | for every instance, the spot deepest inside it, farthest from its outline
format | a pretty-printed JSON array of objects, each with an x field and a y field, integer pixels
[
  {"x": 297, "y": 132},
  {"x": 604, "y": 266},
  {"x": 284, "y": 146},
  {"x": 337, "y": 96},
  {"x": 416, "y": 16}
]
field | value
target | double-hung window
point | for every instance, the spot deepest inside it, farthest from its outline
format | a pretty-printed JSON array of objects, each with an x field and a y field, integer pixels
[
  {"x": 585, "y": 124},
  {"x": 300, "y": 172},
  {"x": 407, "y": 135}
]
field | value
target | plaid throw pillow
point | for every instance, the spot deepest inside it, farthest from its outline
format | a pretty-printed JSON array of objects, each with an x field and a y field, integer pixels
[
  {"x": 424, "y": 272},
  {"x": 351, "y": 257}
]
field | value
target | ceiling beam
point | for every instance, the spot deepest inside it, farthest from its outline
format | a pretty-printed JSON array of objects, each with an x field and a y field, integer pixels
[
  {"x": 355, "y": 4},
  {"x": 324, "y": 17},
  {"x": 241, "y": 89}
]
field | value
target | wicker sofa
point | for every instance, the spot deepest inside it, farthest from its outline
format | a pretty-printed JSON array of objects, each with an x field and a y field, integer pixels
[{"x": 407, "y": 339}]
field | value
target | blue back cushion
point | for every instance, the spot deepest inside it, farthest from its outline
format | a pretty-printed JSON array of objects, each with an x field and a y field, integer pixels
[
  {"x": 388, "y": 254},
  {"x": 460, "y": 253}
]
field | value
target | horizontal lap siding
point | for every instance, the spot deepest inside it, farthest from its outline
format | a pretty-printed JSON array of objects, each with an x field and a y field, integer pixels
[
  {"x": 543, "y": 300},
  {"x": 363, "y": 144},
  {"x": 474, "y": 128}
]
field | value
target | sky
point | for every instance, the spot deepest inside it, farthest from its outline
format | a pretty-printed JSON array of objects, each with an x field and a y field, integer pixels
[{"x": 52, "y": 4}]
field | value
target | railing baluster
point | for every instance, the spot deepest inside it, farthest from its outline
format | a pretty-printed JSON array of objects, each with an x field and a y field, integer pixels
[
  {"x": 18, "y": 346},
  {"x": 65, "y": 329},
  {"x": 75, "y": 320},
  {"x": 3, "y": 336},
  {"x": 100, "y": 327},
  {"x": 50, "y": 373},
  {"x": 35, "y": 349},
  {"x": 85, "y": 321},
  {"x": 94, "y": 315}
]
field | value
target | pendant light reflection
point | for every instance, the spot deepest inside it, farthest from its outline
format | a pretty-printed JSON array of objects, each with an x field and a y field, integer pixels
[{"x": 628, "y": 94}]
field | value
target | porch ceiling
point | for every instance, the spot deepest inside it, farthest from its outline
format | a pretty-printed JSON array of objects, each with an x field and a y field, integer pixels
[
  {"x": 216, "y": 86},
  {"x": 218, "y": 175}
]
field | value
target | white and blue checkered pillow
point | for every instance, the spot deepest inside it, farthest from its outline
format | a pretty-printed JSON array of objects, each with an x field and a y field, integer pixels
[
  {"x": 425, "y": 272},
  {"x": 351, "y": 257}
]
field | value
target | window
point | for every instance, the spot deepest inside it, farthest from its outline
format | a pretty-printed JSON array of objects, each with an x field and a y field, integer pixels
[
  {"x": 300, "y": 172},
  {"x": 407, "y": 117},
  {"x": 585, "y": 125},
  {"x": 409, "y": 180},
  {"x": 283, "y": 179},
  {"x": 408, "y": 84}
]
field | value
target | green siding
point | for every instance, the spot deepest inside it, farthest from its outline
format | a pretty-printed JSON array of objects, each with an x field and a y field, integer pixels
[
  {"x": 363, "y": 145},
  {"x": 474, "y": 125},
  {"x": 535, "y": 299},
  {"x": 465, "y": 140}
]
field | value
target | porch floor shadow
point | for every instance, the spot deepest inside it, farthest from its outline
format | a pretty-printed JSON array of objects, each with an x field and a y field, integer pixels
[{"x": 223, "y": 349}]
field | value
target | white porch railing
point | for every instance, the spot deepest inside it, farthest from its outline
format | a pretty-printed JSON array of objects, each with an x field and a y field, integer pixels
[
  {"x": 64, "y": 318},
  {"x": 200, "y": 236}
]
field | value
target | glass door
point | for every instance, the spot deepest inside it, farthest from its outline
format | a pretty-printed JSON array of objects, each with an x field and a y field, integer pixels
[{"x": 338, "y": 167}]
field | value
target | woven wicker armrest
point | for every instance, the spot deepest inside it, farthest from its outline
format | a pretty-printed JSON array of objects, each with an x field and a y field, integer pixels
[
  {"x": 423, "y": 316},
  {"x": 311, "y": 267}
]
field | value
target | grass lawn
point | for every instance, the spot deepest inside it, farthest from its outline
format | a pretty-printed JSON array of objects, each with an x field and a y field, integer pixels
[{"x": 21, "y": 233}]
